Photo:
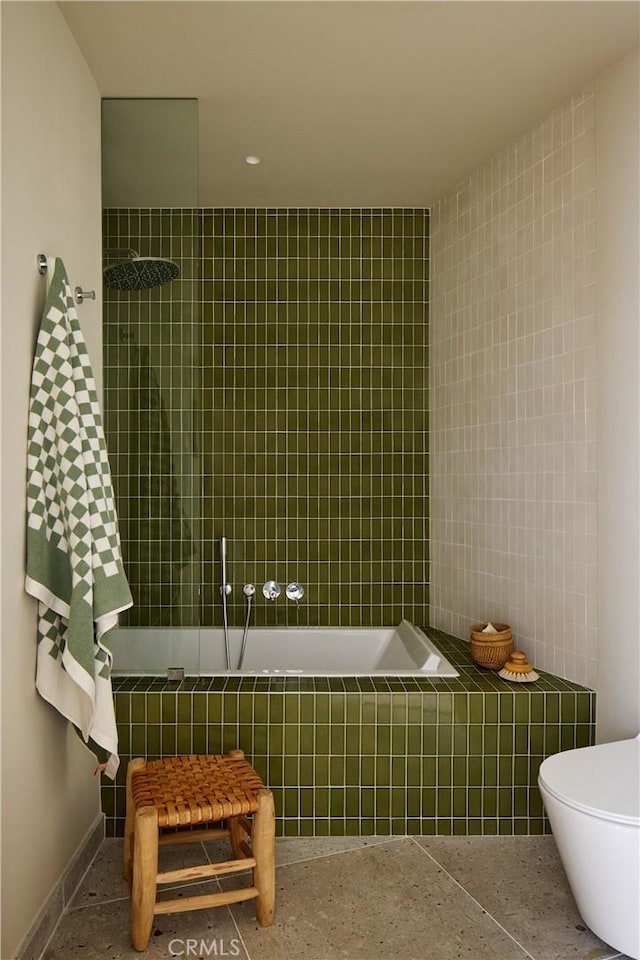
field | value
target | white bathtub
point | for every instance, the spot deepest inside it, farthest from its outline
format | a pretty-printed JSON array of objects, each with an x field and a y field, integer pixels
[{"x": 402, "y": 651}]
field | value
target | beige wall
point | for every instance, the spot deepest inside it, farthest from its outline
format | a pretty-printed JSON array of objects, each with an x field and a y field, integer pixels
[
  {"x": 513, "y": 395},
  {"x": 535, "y": 356},
  {"x": 51, "y": 204},
  {"x": 617, "y": 113}
]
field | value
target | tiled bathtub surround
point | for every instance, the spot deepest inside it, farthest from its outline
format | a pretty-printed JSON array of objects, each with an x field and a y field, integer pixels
[
  {"x": 314, "y": 411},
  {"x": 357, "y": 756},
  {"x": 303, "y": 354},
  {"x": 513, "y": 395}
]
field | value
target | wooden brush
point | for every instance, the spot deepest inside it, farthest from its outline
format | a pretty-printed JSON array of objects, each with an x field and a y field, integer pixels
[{"x": 517, "y": 669}]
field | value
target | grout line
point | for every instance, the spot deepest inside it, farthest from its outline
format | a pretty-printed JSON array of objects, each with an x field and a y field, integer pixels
[
  {"x": 183, "y": 884},
  {"x": 233, "y": 920},
  {"x": 161, "y": 888},
  {"x": 609, "y": 956},
  {"x": 336, "y": 853},
  {"x": 168, "y": 886},
  {"x": 477, "y": 902},
  {"x": 96, "y": 903},
  {"x": 229, "y": 910}
]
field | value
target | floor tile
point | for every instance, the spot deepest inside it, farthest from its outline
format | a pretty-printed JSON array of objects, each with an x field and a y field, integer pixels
[
  {"x": 294, "y": 849},
  {"x": 352, "y": 898},
  {"x": 521, "y": 883},
  {"x": 102, "y": 933},
  {"x": 104, "y": 881},
  {"x": 379, "y": 902}
]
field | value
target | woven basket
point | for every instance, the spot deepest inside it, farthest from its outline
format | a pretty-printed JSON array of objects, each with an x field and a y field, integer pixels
[{"x": 491, "y": 650}]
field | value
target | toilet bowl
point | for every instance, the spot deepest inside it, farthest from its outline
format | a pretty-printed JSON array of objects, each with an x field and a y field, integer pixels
[{"x": 592, "y": 799}]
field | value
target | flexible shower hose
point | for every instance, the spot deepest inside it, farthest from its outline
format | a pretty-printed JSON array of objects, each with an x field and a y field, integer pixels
[
  {"x": 225, "y": 623},
  {"x": 249, "y": 599}
]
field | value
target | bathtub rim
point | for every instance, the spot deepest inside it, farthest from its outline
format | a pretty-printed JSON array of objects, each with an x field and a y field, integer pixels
[{"x": 193, "y": 667}]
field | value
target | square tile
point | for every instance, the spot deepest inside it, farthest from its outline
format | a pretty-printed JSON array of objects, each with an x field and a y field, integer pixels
[{"x": 520, "y": 882}]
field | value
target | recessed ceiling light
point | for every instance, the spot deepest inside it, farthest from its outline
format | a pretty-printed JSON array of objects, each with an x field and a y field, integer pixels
[{"x": 253, "y": 161}]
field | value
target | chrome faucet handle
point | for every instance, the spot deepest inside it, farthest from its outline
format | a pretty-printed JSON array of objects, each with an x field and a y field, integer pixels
[
  {"x": 271, "y": 590},
  {"x": 294, "y": 591}
]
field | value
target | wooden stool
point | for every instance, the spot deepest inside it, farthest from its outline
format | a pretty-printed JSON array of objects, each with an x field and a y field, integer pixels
[{"x": 182, "y": 791}]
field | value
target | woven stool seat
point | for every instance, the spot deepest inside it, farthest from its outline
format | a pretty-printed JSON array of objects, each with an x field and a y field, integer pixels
[
  {"x": 190, "y": 790},
  {"x": 197, "y": 789}
]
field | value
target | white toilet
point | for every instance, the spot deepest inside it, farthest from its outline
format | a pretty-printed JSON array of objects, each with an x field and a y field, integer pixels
[{"x": 592, "y": 799}]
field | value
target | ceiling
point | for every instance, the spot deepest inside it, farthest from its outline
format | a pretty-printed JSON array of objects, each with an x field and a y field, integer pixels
[{"x": 385, "y": 103}]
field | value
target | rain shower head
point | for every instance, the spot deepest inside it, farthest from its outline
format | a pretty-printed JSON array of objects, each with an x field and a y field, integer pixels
[{"x": 138, "y": 273}]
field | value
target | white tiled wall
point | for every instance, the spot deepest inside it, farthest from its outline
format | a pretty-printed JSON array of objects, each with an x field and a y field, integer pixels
[{"x": 514, "y": 392}]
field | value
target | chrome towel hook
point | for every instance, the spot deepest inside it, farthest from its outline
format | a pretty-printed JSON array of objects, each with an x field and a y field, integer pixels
[
  {"x": 79, "y": 294},
  {"x": 82, "y": 295}
]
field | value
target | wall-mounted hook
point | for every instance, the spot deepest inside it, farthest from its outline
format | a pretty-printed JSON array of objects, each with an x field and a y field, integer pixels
[{"x": 82, "y": 295}]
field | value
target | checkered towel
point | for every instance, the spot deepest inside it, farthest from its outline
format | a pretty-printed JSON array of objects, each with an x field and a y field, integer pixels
[{"x": 74, "y": 565}]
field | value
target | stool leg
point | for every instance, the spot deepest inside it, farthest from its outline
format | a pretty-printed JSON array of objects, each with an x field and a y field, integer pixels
[
  {"x": 263, "y": 837},
  {"x": 127, "y": 852},
  {"x": 145, "y": 871},
  {"x": 236, "y": 834}
]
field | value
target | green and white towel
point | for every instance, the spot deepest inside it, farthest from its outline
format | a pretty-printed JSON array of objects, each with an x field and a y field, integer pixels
[{"x": 74, "y": 562}]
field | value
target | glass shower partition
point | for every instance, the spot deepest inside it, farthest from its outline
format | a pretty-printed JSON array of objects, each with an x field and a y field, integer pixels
[{"x": 152, "y": 375}]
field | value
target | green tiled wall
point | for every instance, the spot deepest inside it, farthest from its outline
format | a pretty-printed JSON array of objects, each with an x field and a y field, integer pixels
[
  {"x": 369, "y": 756},
  {"x": 311, "y": 444},
  {"x": 315, "y": 410}
]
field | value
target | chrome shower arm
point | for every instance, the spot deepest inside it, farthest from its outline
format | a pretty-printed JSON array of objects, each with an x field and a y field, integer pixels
[{"x": 118, "y": 251}]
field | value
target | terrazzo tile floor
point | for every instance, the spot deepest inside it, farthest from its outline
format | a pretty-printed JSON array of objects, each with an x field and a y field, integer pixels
[{"x": 373, "y": 898}]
